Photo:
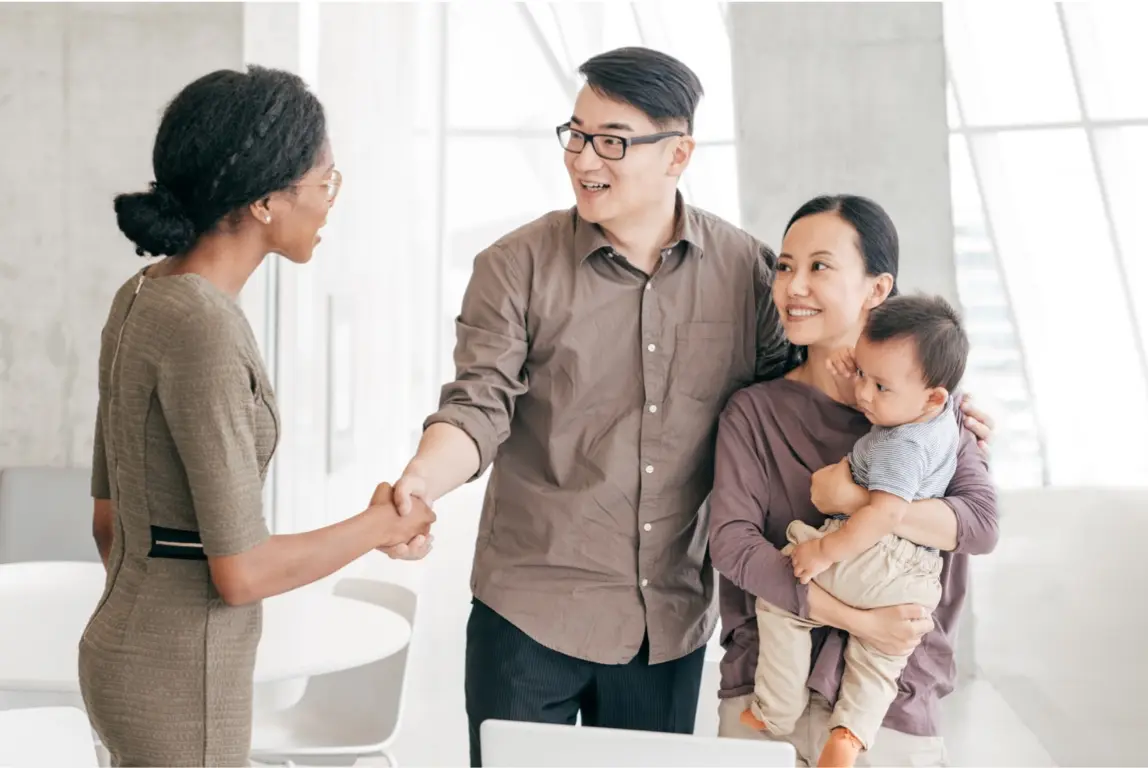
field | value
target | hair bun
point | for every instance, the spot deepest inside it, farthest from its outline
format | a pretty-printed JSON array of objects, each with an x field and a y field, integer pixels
[{"x": 155, "y": 221}]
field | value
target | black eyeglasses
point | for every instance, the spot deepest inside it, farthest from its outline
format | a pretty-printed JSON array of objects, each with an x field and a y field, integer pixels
[{"x": 608, "y": 146}]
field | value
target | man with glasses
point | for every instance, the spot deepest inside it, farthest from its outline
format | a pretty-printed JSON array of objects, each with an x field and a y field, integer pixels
[{"x": 595, "y": 349}]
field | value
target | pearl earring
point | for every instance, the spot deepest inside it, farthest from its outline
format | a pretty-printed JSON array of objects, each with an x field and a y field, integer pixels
[{"x": 267, "y": 219}]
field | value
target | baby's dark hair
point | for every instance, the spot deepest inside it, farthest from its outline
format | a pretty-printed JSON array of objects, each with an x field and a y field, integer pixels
[
  {"x": 934, "y": 326},
  {"x": 225, "y": 141}
]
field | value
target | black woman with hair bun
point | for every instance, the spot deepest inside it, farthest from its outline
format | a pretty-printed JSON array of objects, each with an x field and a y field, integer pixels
[{"x": 187, "y": 425}]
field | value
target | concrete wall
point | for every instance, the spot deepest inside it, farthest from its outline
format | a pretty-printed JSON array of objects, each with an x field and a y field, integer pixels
[
  {"x": 846, "y": 97},
  {"x": 81, "y": 91}
]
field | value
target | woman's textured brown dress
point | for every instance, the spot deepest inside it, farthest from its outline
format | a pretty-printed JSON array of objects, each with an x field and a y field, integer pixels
[{"x": 185, "y": 430}]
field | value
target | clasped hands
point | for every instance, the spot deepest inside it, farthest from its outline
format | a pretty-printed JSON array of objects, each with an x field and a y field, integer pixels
[{"x": 406, "y": 510}]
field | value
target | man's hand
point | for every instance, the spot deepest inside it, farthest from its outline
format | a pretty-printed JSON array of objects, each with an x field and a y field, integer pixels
[
  {"x": 978, "y": 422},
  {"x": 809, "y": 560},
  {"x": 411, "y": 485},
  {"x": 408, "y": 491},
  {"x": 842, "y": 363},
  {"x": 833, "y": 491}
]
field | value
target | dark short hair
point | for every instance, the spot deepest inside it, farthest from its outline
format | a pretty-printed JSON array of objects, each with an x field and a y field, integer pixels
[
  {"x": 876, "y": 235},
  {"x": 662, "y": 87},
  {"x": 225, "y": 141},
  {"x": 936, "y": 330}
]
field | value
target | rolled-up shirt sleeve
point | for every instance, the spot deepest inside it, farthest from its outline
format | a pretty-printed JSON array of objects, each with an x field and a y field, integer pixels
[
  {"x": 490, "y": 353},
  {"x": 739, "y": 505},
  {"x": 973, "y": 499}
]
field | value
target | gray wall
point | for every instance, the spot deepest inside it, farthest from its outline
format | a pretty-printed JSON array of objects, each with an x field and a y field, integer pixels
[
  {"x": 846, "y": 97},
  {"x": 81, "y": 90}
]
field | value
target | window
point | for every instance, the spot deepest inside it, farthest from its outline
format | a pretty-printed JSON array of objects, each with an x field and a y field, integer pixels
[{"x": 1048, "y": 153}]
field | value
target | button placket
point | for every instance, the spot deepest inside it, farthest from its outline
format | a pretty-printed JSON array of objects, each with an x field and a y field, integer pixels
[{"x": 654, "y": 363}]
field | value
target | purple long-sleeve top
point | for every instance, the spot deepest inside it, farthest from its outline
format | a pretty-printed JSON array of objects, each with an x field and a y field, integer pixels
[{"x": 772, "y": 437}]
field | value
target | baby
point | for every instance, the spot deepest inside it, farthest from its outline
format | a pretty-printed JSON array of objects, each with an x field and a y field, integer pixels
[{"x": 910, "y": 357}]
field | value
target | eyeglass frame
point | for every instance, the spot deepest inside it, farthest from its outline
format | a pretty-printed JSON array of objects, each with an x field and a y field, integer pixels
[
  {"x": 333, "y": 185},
  {"x": 626, "y": 141}
]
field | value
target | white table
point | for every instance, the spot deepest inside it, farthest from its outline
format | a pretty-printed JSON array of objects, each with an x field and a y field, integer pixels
[{"x": 44, "y": 608}]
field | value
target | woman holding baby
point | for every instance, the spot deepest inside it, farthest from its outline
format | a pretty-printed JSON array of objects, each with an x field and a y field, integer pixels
[{"x": 784, "y": 454}]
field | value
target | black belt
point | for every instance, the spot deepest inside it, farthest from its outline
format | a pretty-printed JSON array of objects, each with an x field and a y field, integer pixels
[{"x": 175, "y": 544}]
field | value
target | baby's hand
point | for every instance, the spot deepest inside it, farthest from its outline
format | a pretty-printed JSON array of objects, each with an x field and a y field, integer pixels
[
  {"x": 809, "y": 561},
  {"x": 841, "y": 363}
]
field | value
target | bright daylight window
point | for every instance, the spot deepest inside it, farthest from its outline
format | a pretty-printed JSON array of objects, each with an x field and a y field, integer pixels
[{"x": 1049, "y": 153}]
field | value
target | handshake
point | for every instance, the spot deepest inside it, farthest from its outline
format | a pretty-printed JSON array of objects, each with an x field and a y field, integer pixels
[{"x": 403, "y": 519}]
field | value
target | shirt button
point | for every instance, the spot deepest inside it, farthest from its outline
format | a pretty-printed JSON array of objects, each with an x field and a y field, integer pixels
[
  {"x": 645, "y": 582},
  {"x": 647, "y": 527},
  {"x": 653, "y": 408},
  {"x": 649, "y": 469},
  {"x": 649, "y": 286},
  {"x": 652, "y": 347}
]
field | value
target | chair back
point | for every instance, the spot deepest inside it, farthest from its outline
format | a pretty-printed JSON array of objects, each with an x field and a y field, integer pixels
[{"x": 46, "y": 515}]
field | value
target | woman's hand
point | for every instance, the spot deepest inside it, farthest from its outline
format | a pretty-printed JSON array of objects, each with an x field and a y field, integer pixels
[
  {"x": 833, "y": 491},
  {"x": 895, "y": 630}
]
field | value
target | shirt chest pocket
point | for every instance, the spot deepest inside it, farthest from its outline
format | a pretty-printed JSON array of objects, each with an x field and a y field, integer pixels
[{"x": 703, "y": 359}]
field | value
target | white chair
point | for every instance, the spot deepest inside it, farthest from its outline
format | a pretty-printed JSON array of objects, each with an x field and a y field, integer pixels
[
  {"x": 46, "y": 515},
  {"x": 48, "y": 736},
  {"x": 344, "y": 715},
  {"x": 30, "y": 580},
  {"x": 537, "y": 745}
]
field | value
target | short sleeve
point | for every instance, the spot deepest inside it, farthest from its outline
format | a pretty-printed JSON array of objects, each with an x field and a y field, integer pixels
[
  {"x": 897, "y": 467},
  {"x": 101, "y": 484},
  {"x": 207, "y": 393}
]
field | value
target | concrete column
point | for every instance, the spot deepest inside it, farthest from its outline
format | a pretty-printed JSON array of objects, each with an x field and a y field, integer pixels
[
  {"x": 846, "y": 97},
  {"x": 82, "y": 86}
]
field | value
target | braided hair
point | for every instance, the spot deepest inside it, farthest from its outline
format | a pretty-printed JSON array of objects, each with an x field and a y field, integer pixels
[{"x": 225, "y": 141}]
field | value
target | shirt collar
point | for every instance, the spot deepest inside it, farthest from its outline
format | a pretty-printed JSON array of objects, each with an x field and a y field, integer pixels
[{"x": 590, "y": 239}]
